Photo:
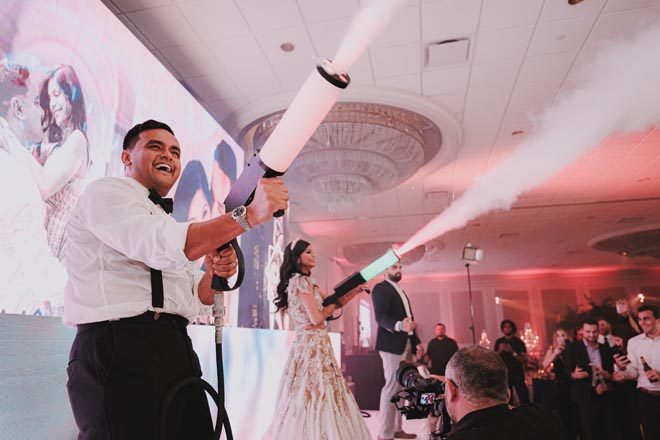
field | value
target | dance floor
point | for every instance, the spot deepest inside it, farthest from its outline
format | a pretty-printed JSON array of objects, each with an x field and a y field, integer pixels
[{"x": 419, "y": 427}]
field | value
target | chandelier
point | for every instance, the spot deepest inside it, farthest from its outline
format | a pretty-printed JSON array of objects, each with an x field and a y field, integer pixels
[{"x": 358, "y": 150}]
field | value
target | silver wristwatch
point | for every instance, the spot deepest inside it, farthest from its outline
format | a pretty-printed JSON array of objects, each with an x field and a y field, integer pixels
[{"x": 239, "y": 215}]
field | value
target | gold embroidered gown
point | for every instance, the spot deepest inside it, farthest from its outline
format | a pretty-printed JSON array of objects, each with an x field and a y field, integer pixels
[{"x": 313, "y": 400}]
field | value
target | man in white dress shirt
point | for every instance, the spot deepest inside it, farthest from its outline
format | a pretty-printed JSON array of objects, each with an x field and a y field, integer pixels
[
  {"x": 133, "y": 288},
  {"x": 647, "y": 346}
]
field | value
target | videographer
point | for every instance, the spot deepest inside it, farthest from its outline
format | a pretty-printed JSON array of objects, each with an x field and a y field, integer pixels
[{"x": 476, "y": 395}]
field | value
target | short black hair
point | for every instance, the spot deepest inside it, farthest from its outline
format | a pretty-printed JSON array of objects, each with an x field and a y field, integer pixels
[
  {"x": 131, "y": 135},
  {"x": 588, "y": 321},
  {"x": 652, "y": 308},
  {"x": 511, "y": 323}
]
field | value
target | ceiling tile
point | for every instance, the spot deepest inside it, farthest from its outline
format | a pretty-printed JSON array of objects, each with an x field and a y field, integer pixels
[
  {"x": 224, "y": 107},
  {"x": 136, "y": 5},
  {"x": 256, "y": 84},
  {"x": 396, "y": 60},
  {"x": 238, "y": 53},
  {"x": 620, "y": 5},
  {"x": 503, "y": 14},
  {"x": 480, "y": 125},
  {"x": 140, "y": 36},
  {"x": 562, "y": 10},
  {"x": 534, "y": 94},
  {"x": 561, "y": 36},
  {"x": 444, "y": 81},
  {"x": 322, "y": 10},
  {"x": 327, "y": 35},
  {"x": 502, "y": 44},
  {"x": 410, "y": 83},
  {"x": 487, "y": 97},
  {"x": 191, "y": 59},
  {"x": 291, "y": 67},
  {"x": 264, "y": 16},
  {"x": 500, "y": 74},
  {"x": 454, "y": 102},
  {"x": 546, "y": 68},
  {"x": 166, "y": 63},
  {"x": 113, "y": 8},
  {"x": 449, "y": 19},
  {"x": 361, "y": 72},
  {"x": 215, "y": 19},
  {"x": 403, "y": 29},
  {"x": 213, "y": 87},
  {"x": 163, "y": 26},
  {"x": 619, "y": 25}
]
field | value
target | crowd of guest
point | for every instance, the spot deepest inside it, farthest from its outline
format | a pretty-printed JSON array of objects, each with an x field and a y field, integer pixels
[{"x": 605, "y": 381}]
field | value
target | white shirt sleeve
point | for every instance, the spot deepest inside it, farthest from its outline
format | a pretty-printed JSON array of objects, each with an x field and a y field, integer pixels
[{"x": 128, "y": 226}]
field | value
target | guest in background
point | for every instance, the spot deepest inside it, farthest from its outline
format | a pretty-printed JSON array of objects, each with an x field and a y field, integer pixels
[
  {"x": 514, "y": 354},
  {"x": 626, "y": 316},
  {"x": 605, "y": 332},
  {"x": 440, "y": 350},
  {"x": 626, "y": 406},
  {"x": 554, "y": 362},
  {"x": 647, "y": 346},
  {"x": 590, "y": 366}
]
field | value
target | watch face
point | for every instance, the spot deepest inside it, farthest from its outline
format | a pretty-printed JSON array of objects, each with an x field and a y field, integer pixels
[{"x": 239, "y": 212}]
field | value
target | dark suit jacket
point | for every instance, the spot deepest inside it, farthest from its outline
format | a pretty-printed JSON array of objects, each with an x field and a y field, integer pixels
[
  {"x": 576, "y": 355},
  {"x": 389, "y": 309}
]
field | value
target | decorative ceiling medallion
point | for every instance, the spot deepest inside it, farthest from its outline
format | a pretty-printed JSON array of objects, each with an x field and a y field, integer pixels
[
  {"x": 359, "y": 149},
  {"x": 636, "y": 243}
]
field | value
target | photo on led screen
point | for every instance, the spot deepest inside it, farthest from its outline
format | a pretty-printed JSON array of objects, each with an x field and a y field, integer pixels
[{"x": 73, "y": 80}]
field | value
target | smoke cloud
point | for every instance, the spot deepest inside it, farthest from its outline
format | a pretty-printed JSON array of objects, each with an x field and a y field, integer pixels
[
  {"x": 618, "y": 92},
  {"x": 365, "y": 28}
]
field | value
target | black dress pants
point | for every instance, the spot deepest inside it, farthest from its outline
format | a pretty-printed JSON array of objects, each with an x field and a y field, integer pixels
[
  {"x": 119, "y": 373},
  {"x": 649, "y": 410}
]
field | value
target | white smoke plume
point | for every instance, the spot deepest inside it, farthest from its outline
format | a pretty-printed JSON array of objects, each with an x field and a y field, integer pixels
[
  {"x": 619, "y": 92},
  {"x": 365, "y": 28}
]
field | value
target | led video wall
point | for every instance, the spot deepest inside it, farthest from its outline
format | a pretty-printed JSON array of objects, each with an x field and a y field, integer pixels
[{"x": 73, "y": 80}]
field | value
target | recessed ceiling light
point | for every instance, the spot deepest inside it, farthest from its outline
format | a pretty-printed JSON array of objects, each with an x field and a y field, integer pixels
[
  {"x": 517, "y": 132},
  {"x": 624, "y": 253},
  {"x": 287, "y": 47},
  {"x": 574, "y": 2}
]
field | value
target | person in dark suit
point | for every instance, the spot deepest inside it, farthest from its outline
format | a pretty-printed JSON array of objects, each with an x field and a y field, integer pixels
[
  {"x": 395, "y": 340},
  {"x": 590, "y": 366}
]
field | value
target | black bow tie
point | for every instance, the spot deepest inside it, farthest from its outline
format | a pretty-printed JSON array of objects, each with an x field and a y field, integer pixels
[{"x": 165, "y": 203}]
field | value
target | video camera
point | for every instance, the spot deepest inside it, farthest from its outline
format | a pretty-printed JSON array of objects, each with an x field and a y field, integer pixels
[{"x": 421, "y": 396}]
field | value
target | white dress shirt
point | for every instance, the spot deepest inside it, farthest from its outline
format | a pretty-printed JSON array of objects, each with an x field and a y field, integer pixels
[
  {"x": 642, "y": 345},
  {"x": 114, "y": 236},
  {"x": 29, "y": 274}
]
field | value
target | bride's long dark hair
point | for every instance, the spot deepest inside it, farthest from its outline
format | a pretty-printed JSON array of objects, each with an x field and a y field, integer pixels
[{"x": 289, "y": 267}]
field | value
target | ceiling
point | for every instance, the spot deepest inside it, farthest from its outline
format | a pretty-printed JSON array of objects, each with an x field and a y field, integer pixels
[{"x": 521, "y": 54}]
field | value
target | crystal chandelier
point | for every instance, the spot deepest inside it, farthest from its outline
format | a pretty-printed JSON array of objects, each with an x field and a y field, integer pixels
[{"x": 358, "y": 150}]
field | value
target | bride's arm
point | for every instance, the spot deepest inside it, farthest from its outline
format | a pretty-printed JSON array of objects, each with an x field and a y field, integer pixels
[
  {"x": 316, "y": 316},
  {"x": 60, "y": 167}
]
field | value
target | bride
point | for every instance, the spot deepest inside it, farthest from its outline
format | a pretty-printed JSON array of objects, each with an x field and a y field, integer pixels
[{"x": 313, "y": 400}]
